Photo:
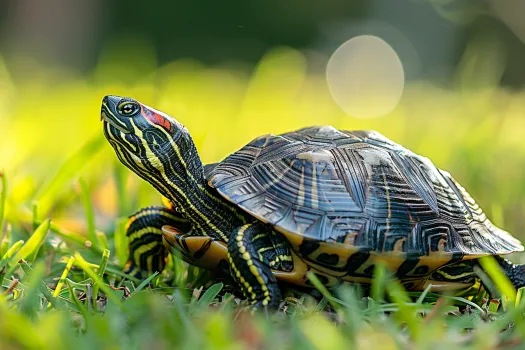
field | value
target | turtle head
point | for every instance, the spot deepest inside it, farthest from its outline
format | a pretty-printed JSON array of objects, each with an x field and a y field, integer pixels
[
  {"x": 138, "y": 128},
  {"x": 149, "y": 142}
]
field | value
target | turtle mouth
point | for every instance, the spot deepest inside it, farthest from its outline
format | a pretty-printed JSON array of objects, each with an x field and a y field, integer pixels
[{"x": 113, "y": 123}]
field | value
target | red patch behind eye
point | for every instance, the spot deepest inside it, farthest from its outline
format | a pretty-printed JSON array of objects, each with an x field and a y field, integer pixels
[{"x": 156, "y": 118}]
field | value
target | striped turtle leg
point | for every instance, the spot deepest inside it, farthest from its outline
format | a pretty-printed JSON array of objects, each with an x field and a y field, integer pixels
[
  {"x": 147, "y": 253},
  {"x": 464, "y": 271},
  {"x": 252, "y": 249}
]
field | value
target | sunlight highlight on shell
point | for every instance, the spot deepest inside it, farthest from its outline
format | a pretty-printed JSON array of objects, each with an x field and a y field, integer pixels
[{"x": 365, "y": 77}]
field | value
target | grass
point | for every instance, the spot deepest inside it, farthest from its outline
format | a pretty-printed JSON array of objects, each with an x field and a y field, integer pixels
[{"x": 64, "y": 201}]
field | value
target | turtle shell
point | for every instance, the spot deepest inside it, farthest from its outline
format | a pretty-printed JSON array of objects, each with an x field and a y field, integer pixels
[{"x": 359, "y": 189}]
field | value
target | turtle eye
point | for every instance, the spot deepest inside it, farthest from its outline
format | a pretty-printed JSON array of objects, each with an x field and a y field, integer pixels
[{"x": 128, "y": 108}]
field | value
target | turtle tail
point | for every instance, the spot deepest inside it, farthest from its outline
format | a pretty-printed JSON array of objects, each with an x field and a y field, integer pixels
[{"x": 515, "y": 273}]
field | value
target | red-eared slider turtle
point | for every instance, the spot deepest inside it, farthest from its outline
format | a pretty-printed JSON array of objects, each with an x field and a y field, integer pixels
[{"x": 331, "y": 201}]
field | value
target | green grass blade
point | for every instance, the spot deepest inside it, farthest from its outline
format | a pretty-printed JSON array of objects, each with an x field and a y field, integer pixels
[
  {"x": 101, "y": 271},
  {"x": 42, "y": 287},
  {"x": 181, "y": 273},
  {"x": 34, "y": 211},
  {"x": 3, "y": 199},
  {"x": 13, "y": 250},
  {"x": 121, "y": 241},
  {"x": 424, "y": 294},
  {"x": 322, "y": 289},
  {"x": 30, "y": 303},
  {"x": 84, "y": 265},
  {"x": 377, "y": 289},
  {"x": 465, "y": 301},
  {"x": 407, "y": 311},
  {"x": 88, "y": 210},
  {"x": 227, "y": 303},
  {"x": 63, "y": 277},
  {"x": 519, "y": 296},
  {"x": 322, "y": 304},
  {"x": 78, "y": 304},
  {"x": 103, "y": 263},
  {"x": 144, "y": 283},
  {"x": 121, "y": 175},
  {"x": 34, "y": 242},
  {"x": 207, "y": 298},
  {"x": 73, "y": 237},
  {"x": 5, "y": 242},
  {"x": 48, "y": 193},
  {"x": 118, "y": 272},
  {"x": 102, "y": 240},
  {"x": 502, "y": 282}
]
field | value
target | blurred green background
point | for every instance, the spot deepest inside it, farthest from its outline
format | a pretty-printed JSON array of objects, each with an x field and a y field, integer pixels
[
  {"x": 444, "y": 78},
  {"x": 233, "y": 70}
]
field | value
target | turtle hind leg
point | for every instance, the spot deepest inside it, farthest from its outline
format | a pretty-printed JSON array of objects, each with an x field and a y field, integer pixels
[
  {"x": 515, "y": 273},
  {"x": 250, "y": 269},
  {"x": 147, "y": 253}
]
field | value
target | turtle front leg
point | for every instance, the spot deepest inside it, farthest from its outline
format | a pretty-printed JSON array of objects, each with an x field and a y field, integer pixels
[
  {"x": 147, "y": 253},
  {"x": 249, "y": 266}
]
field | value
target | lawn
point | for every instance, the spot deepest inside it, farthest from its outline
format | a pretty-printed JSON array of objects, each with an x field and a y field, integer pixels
[{"x": 65, "y": 199}]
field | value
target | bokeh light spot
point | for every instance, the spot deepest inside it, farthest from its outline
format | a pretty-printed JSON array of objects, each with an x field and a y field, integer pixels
[{"x": 365, "y": 77}]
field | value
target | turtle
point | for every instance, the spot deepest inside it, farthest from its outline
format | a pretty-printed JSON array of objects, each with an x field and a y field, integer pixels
[{"x": 322, "y": 201}]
